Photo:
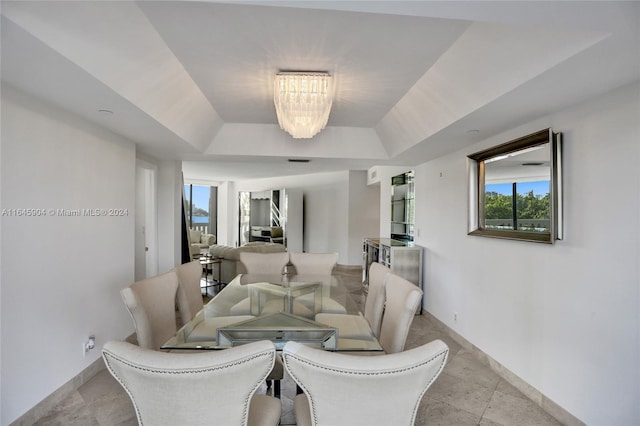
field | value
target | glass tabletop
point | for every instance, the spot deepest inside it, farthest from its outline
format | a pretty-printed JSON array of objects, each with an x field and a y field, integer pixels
[
  {"x": 273, "y": 307},
  {"x": 280, "y": 328}
]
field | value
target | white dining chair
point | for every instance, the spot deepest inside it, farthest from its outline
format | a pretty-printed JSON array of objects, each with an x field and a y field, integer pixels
[
  {"x": 309, "y": 264},
  {"x": 313, "y": 263},
  {"x": 353, "y": 390},
  {"x": 362, "y": 326},
  {"x": 264, "y": 263},
  {"x": 402, "y": 299},
  {"x": 212, "y": 388},
  {"x": 189, "y": 300},
  {"x": 259, "y": 264},
  {"x": 189, "y": 295},
  {"x": 151, "y": 303}
]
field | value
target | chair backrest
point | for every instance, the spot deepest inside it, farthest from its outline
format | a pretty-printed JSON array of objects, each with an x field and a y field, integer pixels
[
  {"x": 374, "y": 305},
  {"x": 314, "y": 263},
  {"x": 364, "y": 390},
  {"x": 402, "y": 298},
  {"x": 152, "y": 305},
  {"x": 264, "y": 263},
  {"x": 180, "y": 389},
  {"x": 189, "y": 295}
]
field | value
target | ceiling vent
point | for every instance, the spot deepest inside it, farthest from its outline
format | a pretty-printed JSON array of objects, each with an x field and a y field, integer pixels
[{"x": 298, "y": 160}]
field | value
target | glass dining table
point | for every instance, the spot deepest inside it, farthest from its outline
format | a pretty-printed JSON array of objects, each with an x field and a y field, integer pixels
[{"x": 279, "y": 308}]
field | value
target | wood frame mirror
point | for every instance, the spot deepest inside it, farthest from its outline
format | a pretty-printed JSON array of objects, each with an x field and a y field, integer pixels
[{"x": 515, "y": 189}]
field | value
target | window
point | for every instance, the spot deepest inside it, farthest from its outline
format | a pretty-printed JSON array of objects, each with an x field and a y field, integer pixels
[
  {"x": 515, "y": 189},
  {"x": 198, "y": 205}
]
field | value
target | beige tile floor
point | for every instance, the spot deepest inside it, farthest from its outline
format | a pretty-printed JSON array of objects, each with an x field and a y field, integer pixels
[{"x": 466, "y": 393}]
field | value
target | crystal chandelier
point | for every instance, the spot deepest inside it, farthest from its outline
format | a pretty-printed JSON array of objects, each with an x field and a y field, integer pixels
[{"x": 303, "y": 102}]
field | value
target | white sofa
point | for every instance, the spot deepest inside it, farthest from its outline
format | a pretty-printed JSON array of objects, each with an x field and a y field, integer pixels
[{"x": 231, "y": 265}]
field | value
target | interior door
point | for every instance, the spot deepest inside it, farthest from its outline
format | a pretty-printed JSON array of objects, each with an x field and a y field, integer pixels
[{"x": 146, "y": 245}]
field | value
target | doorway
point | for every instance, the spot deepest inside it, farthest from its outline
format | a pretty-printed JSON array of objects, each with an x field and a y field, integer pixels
[{"x": 146, "y": 232}]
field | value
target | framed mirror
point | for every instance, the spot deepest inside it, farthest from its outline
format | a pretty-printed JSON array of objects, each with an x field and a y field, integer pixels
[{"x": 515, "y": 189}]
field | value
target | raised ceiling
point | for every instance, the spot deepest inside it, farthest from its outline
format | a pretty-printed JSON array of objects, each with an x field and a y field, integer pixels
[{"x": 193, "y": 80}]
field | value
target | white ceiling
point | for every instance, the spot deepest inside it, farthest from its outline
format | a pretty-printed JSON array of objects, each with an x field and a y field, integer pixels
[{"x": 193, "y": 80}]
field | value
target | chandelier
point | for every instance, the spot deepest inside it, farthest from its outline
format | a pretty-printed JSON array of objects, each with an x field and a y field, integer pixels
[{"x": 303, "y": 102}]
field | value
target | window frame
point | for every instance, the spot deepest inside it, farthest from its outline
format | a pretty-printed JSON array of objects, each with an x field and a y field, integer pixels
[{"x": 476, "y": 179}]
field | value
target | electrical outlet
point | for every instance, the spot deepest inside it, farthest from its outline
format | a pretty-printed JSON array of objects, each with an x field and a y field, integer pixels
[
  {"x": 88, "y": 345},
  {"x": 455, "y": 317}
]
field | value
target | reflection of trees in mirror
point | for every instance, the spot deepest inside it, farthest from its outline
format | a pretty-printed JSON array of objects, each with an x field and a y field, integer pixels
[{"x": 532, "y": 211}]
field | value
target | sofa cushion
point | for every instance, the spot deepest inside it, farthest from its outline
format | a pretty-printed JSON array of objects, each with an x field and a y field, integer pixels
[
  {"x": 231, "y": 265},
  {"x": 233, "y": 253},
  {"x": 194, "y": 235},
  {"x": 208, "y": 239}
]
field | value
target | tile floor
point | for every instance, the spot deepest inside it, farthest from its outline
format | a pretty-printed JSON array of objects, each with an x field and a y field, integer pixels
[{"x": 466, "y": 393}]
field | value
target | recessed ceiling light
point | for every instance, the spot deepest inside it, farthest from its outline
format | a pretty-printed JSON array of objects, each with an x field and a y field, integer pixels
[
  {"x": 105, "y": 111},
  {"x": 471, "y": 131},
  {"x": 298, "y": 160}
]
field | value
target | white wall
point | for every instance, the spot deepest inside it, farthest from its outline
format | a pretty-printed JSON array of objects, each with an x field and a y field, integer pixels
[
  {"x": 364, "y": 214},
  {"x": 563, "y": 317},
  {"x": 295, "y": 220},
  {"x": 169, "y": 215},
  {"x": 326, "y": 213},
  {"x": 227, "y": 215},
  {"x": 61, "y": 276}
]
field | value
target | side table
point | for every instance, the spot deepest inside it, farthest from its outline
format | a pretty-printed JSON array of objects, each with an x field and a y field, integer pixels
[{"x": 207, "y": 262}]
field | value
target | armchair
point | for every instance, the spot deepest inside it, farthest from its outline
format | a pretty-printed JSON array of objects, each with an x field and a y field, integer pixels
[
  {"x": 200, "y": 241},
  {"x": 216, "y": 388},
  {"x": 351, "y": 390}
]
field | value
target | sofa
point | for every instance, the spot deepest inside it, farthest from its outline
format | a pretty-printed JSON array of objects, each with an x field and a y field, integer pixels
[
  {"x": 231, "y": 265},
  {"x": 200, "y": 241}
]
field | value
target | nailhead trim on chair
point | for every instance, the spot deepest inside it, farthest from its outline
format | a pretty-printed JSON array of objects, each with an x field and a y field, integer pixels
[
  {"x": 365, "y": 373},
  {"x": 199, "y": 370}
]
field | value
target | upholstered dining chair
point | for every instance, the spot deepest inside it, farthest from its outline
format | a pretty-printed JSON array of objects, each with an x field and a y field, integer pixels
[
  {"x": 313, "y": 263},
  {"x": 264, "y": 263},
  {"x": 152, "y": 305},
  {"x": 189, "y": 299},
  {"x": 267, "y": 264},
  {"x": 361, "y": 326},
  {"x": 317, "y": 264},
  {"x": 402, "y": 299},
  {"x": 189, "y": 295},
  {"x": 190, "y": 302},
  {"x": 179, "y": 388},
  {"x": 354, "y": 390}
]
